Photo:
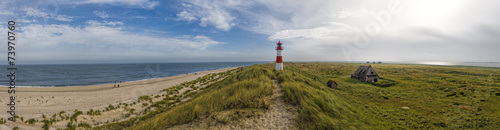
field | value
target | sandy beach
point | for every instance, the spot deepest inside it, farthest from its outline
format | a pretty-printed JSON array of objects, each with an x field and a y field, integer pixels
[{"x": 33, "y": 102}]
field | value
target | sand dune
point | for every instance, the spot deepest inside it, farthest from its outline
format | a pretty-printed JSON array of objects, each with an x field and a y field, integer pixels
[{"x": 33, "y": 102}]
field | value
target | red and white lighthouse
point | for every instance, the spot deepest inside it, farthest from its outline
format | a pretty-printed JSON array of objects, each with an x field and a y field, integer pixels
[{"x": 279, "y": 57}]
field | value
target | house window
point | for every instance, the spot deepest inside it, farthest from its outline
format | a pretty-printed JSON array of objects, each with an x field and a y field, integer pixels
[{"x": 372, "y": 72}]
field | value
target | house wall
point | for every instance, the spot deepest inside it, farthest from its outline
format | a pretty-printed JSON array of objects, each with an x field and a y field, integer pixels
[
  {"x": 370, "y": 78},
  {"x": 365, "y": 79}
]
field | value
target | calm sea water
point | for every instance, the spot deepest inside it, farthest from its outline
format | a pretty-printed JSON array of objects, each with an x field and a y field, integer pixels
[{"x": 93, "y": 74}]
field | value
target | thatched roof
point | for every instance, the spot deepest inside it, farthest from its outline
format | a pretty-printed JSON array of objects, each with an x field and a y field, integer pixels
[{"x": 363, "y": 71}]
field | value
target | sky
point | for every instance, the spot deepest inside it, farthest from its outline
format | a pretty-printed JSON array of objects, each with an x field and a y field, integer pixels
[{"x": 136, "y": 31}]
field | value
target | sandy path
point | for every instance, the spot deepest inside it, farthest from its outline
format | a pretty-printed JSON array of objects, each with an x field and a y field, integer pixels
[
  {"x": 32, "y": 102},
  {"x": 280, "y": 116}
]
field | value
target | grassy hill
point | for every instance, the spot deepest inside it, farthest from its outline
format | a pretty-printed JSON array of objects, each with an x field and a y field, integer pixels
[
  {"x": 240, "y": 94},
  {"x": 425, "y": 97}
]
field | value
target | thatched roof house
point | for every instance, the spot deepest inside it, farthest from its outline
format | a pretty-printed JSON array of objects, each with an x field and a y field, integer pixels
[
  {"x": 365, "y": 74},
  {"x": 332, "y": 84}
]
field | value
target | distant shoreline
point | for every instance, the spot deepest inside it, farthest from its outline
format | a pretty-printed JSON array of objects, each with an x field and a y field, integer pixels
[
  {"x": 33, "y": 102},
  {"x": 58, "y": 86},
  {"x": 146, "y": 77},
  {"x": 23, "y": 64},
  {"x": 36, "y": 76}
]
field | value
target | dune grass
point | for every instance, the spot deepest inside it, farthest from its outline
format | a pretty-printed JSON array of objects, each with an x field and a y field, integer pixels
[
  {"x": 246, "y": 89},
  {"x": 418, "y": 101},
  {"x": 321, "y": 107},
  {"x": 425, "y": 97},
  {"x": 2, "y": 121}
]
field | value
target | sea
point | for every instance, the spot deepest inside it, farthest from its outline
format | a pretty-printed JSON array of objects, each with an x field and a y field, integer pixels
[{"x": 67, "y": 75}]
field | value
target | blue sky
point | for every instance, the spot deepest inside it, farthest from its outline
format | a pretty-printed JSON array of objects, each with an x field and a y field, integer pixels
[{"x": 117, "y": 31}]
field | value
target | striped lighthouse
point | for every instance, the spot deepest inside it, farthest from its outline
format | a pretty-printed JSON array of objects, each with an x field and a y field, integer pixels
[{"x": 279, "y": 57}]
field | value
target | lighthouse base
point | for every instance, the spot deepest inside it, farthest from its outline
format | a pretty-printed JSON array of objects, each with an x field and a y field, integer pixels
[{"x": 279, "y": 66}]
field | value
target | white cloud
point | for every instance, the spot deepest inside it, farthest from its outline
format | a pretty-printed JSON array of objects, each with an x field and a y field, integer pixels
[
  {"x": 347, "y": 13},
  {"x": 101, "y": 14},
  {"x": 186, "y": 5},
  {"x": 211, "y": 13},
  {"x": 3, "y": 8},
  {"x": 31, "y": 14},
  {"x": 104, "y": 23},
  {"x": 186, "y": 16},
  {"x": 104, "y": 40},
  {"x": 309, "y": 29},
  {"x": 334, "y": 31},
  {"x": 64, "y": 18},
  {"x": 321, "y": 28},
  {"x": 263, "y": 16},
  {"x": 140, "y": 3}
]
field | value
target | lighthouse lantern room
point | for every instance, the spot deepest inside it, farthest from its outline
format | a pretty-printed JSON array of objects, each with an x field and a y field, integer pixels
[{"x": 279, "y": 57}]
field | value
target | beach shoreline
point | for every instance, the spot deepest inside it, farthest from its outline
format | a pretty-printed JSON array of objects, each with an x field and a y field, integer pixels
[
  {"x": 33, "y": 102},
  {"x": 97, "y": 86}
]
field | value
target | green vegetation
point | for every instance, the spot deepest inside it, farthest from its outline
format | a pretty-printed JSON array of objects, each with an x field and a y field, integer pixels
[
  {"x": 405, "y": 97},
  {"x": 91, "y": 112},
  {"x": 61, "y": 114},
  {"x": 70, "y": 126},
  {"x": 241, "y": 92},
  {"x": 84, "y": 125},
  {"x": 145, "y": 98},
  {"x": 2, "y": 121},
  {"x": 110, "y": 107},
  {"x": 132, "y": 111},
  {"x": 382, "y": 82},
  {"x": 425, "y": 97},
  {"x": 31, "y": 121},
  {"x": 46, "y": 124},
  {"x": 75, "y": 115}
]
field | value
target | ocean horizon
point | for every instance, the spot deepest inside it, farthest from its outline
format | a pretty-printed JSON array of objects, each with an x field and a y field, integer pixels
[{"x": 67, "y": 75}]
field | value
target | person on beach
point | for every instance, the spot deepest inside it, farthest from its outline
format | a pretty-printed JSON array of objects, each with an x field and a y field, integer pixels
[
  {"x": 119, "y": 83},
  {"x": 114, "y": 85}
]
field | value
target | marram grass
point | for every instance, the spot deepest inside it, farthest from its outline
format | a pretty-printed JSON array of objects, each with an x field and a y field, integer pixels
[
  {"x": 425, "y": 97},
  {"x": 246, "y": 89}
]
